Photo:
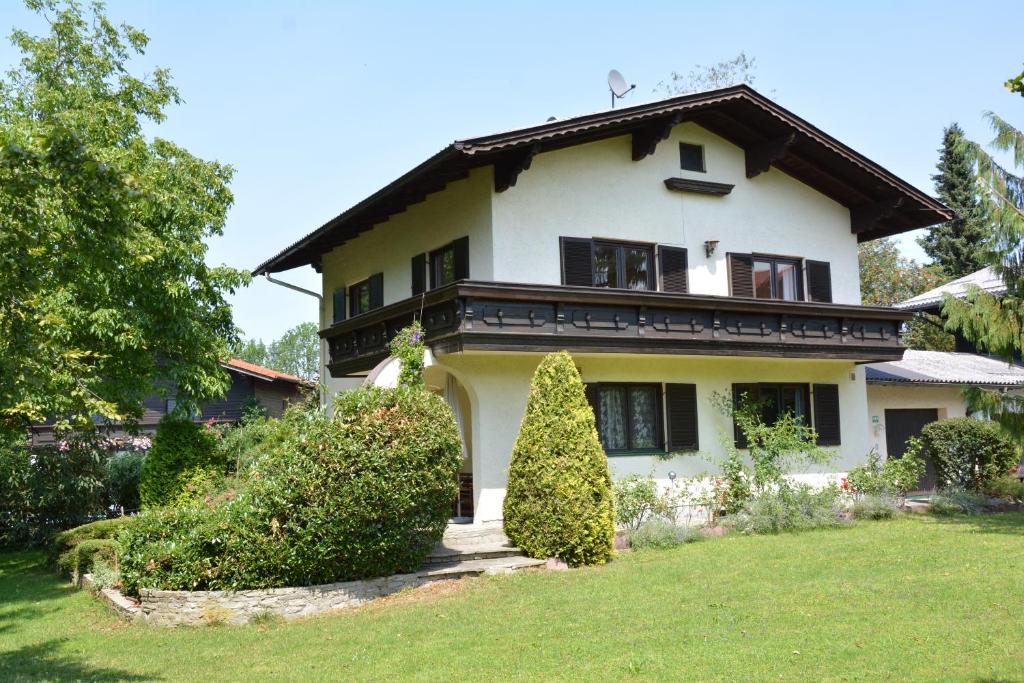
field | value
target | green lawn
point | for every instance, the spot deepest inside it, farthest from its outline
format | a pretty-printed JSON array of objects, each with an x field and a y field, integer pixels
[{"x": 918, "y": 598}]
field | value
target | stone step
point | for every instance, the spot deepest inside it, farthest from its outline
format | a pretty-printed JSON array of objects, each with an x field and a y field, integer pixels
[
  {"x": 494, "y": 565},
  {"x": 443, "y": 554}
]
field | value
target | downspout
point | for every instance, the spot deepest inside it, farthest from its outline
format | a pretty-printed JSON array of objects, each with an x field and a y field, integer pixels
[{"x": 322, "y": 388}]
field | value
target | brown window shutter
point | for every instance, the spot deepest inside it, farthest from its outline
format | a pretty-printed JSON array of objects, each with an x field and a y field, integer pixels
[
  {"x": 741, "y": 275},
  {"x": 826, "y": 414},
  {"x": 376, "y": 290},
  {"x": 577, "y": 262},
  {"x": 338, "y": 305},
  {"x": 738, "y": 392},
  {"x": 819, "y": 281},
  {"x": 681, "y": 417},
  {"x": 672, "y": 269},
  {"x": 419, "y": 273},
  {"x": 461, "y": 249}
]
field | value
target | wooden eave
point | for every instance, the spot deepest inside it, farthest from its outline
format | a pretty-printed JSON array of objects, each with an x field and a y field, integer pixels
[{"x": 772, "y": 136}]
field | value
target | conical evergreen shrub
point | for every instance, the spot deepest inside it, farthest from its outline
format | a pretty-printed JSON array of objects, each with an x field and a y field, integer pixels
[{"x": 559, "y": 498}]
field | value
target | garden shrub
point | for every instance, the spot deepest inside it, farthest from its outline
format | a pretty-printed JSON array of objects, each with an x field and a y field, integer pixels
[
  {"x": 892, "y": 478},
  {"x": 968, "y": 453},
  {"x": 952, "y": 501},
  {"x": 67, "y": 540},
  {"x": 124, "y": 471},
  {"x": 179, "y": 446},
  {"x": 48, "y": 489},
  {"x": 365, "y": 494},
  {"x": 636, "y": 500},
  {"x": 559, "y": 497},
  {"x": 105, "y": 573},
  {"x": 875, "y": 506},
  {"x": 1008, "y": 487},
  {"x": 788, "y": 508},
  {"x": 80, "y": 558},
  {"x": 658, "y": 532}
]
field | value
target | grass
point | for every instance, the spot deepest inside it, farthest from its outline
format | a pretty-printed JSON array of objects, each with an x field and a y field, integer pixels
[{"x": 917, "y": 598}]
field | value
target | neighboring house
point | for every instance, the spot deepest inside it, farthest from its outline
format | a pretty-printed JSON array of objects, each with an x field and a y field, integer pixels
[
  {"x": 273, "y": 389},
  {"x": 930, "y": 302},
  {"x": 906, "y": 395},
  {"x": 925, "y": 386},
  {"x": 682, "y": 249}
]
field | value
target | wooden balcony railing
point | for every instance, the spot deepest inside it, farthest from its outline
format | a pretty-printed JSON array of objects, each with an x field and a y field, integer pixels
[{"x": 491, "y": 316}]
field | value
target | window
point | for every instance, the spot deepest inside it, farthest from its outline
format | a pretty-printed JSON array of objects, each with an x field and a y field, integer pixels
[
  {"x": 359, "y": 298},
  {"x": 628, "y": 416},
  {"x": 442, "y": 266},
  {"x": 623, "y": 266},
  {"x": 779, "y": 399},
  {"x": 776, "y": 278},
  {"x": 366, "y": 295},
  {"x": 691, "y": 157}
]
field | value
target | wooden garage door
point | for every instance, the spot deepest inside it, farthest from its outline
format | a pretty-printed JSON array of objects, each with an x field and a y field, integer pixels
[{"x": 902, "y": 424}]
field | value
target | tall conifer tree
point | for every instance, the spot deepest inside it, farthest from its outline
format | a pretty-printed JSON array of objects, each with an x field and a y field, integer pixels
[{"x": 955, "y": 245}]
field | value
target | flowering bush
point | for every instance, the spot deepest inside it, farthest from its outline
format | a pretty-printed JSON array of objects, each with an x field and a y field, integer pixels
[
  {"x": 408, "y": 347},
  {"x": 892, "y": 478}
]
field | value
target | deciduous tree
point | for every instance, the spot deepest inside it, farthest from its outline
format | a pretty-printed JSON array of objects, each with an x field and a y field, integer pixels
[
  {"x": 105, "y": 295},
  {"x": 886, "y": 278}
]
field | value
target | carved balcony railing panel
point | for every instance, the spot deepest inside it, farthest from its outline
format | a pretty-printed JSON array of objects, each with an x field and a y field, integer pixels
[{"x": 487, "y": 316}]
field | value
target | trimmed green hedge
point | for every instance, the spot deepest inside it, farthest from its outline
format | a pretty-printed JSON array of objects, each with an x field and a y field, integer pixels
[
  {"x": 80, "y": 559},
  {"x": 66, "y": 540},
  {"x": 180, "y": 447},
  {"x": 968, "y": 453},
  {"x": 367, "y": 493},
  {"x": 559, "y": 497}
]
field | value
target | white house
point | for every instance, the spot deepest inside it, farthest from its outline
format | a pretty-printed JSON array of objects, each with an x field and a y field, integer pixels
[{"x": 697, "y": 245}]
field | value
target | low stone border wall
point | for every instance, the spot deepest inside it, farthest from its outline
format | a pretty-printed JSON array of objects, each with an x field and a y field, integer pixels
[{"x": 179, "y": 608}]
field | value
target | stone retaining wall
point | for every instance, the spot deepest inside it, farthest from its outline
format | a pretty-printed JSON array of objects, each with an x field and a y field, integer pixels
[{"x": 178, "y": 608}]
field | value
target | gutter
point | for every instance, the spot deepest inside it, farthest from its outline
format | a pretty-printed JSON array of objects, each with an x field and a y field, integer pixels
[{"x": 321, "y": 386}]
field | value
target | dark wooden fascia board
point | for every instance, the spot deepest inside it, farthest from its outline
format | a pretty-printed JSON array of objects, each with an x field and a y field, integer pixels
[{"x": 698, "y": 186}]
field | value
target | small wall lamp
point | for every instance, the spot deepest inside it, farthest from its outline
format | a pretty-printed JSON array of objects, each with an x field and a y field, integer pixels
[{"x": 709, "y": 247}]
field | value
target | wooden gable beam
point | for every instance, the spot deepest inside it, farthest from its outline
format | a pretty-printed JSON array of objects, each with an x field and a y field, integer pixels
[
  {"x": 761, "y": 156},
  {"x": 865, "y": 217},
  {"x": 646, "y": 139},
  {"x": 507, "y": 169}
]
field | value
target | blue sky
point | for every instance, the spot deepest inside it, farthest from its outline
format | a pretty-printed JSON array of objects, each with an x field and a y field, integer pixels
[{"x": 318, "y": 104}]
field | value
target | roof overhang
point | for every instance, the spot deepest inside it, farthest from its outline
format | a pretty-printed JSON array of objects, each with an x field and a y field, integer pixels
[{"x": 880, "y": 203}]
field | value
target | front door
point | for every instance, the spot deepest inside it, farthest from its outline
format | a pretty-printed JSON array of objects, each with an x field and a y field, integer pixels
[{"x": 902, "y": 424}]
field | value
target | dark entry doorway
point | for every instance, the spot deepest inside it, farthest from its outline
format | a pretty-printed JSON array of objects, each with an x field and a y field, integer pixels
[{"x": 902, "y": 424}]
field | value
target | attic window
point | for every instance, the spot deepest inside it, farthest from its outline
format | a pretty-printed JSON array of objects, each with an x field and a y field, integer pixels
[{"x": 691, "y": 157}]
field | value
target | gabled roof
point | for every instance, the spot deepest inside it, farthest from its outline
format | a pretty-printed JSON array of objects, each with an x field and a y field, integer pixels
[
  {"x": 985, "y": 279},
  {"x": 260, "y": 372},
  {"x": 939, "y": 367},
  {"x": 880, "y": 203}
]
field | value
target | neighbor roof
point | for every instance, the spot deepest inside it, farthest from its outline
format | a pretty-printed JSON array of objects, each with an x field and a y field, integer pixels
[
  {"x": 985, "y": 279},
  {"x": 260, "y": 372},
  {"x": 940, "y": 367},
  {"x": 881, "y": 204}
]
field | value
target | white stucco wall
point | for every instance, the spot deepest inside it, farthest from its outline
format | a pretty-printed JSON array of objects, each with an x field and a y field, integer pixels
[
  {"x": 948, "y": 400},
  {"x": 498, "y": 386},
  {"x": 596, "y": 190},
  {"x": 463, "y": 208}
]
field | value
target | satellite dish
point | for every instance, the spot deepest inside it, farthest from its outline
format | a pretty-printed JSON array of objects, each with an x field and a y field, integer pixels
[{"x": 618, "y": 86}]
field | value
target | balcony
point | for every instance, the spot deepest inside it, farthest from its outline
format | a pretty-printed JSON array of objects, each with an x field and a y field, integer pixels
[{"x": 494, "y": 316}]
